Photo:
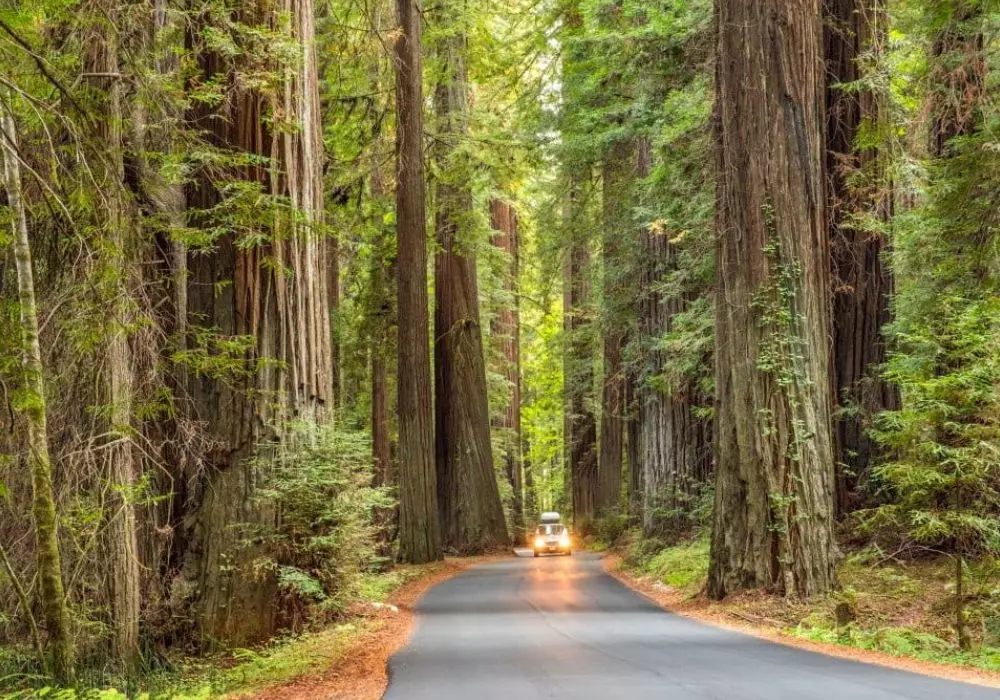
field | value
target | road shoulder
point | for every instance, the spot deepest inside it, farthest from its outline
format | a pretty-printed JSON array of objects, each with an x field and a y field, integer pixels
[
  {"x": 361, "y": 671},
  {"x": 717, "y": 614}
]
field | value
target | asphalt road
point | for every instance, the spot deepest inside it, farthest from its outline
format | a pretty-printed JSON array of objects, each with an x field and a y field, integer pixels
[{"x": 559, "y": 627}]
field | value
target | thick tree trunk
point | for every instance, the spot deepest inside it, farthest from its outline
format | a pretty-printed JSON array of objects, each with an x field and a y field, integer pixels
[
  {"x": 774, "y": 448},
  {"x": 43, "y": 507},
  {"x": 578, "y": 373},
  {"x": 507, "y": 335},
  {"x": 419, "y": 525},
  {"x": 619, "y": 175},
  {"x": 121, "y": 467},
  {"x": 275, "y": 293},
  {"x": 468, "y": 496},
  {"x": 859, "y": 192}
]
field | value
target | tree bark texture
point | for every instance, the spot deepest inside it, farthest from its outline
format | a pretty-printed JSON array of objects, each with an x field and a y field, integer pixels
[
  {"x": 774, "y": 448},
  {"x": 632, "y": 433},
  {"x": 52, "y": 596},
  {"x": 507, "y": 336},
  {"x": 472, "y": 518},
  {"x": 121, "y": 467},
  {"x": 958, "y": 75},
  {"x": 619, "y": 175},
  {"x": 674, "y": 448},
  {"x": 274, "y": 292},
  {"x": 859, "y": 193},
  {"x": 419, "y": 524},
  {"x": 673, "y": 444},
  {"x": 578, "y": 371}
]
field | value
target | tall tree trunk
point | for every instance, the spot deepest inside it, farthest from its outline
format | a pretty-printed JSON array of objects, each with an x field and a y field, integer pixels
[
  {"x": 673, "y": 450},
  {"x": 619, "y": 175},
  {"x": 859, "y": 192},
  {"x": 419, "y": 524},
  {"x": 275, "y": 293},
  {"x": 43, "y": 505},
  {"x": 468, "y": 496},
  {"x": 507, "y": 335},
  {"x": 578, "y": 371},
  {"x": 635, "y": 490},
  {"x": 382, "y": 271},
  {"x": 120, "y": 464},
  {"x": 774, "y": 487}
]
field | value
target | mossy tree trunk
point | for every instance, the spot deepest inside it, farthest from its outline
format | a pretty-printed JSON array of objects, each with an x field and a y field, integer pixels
[
  {"x": 43, "y": 506},
  {"x": 118, "y": 267}
]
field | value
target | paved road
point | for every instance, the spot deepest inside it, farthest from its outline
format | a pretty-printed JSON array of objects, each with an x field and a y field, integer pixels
[{"x": 559, "y": 627}]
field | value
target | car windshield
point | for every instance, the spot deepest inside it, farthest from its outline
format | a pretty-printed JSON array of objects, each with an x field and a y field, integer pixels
[{"x": 550, "y": 529}]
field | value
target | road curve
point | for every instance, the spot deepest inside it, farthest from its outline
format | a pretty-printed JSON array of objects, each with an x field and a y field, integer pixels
[{"x": 560, "y": 627}]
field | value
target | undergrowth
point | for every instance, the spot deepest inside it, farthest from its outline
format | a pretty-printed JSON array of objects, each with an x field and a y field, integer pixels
[{"x": 902, "y": 608}]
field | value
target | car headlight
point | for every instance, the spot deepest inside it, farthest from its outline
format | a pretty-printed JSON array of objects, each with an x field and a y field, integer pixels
[
  {"x": 564, "y": 541},
  {"x": 539, "y": 542}
]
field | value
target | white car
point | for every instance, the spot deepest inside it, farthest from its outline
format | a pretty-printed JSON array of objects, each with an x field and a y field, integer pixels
[{"x": 552, "y": 538}]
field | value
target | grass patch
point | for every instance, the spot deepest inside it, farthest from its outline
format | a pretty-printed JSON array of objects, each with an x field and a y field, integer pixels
[
  {"x": 683, "y": 566},
  {"x": 234, "y": 673},
  {"x": 903, "y": 642}
]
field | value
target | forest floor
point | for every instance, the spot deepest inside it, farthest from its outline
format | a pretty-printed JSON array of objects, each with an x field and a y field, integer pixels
[
  {"x": 902, "y": 616},
  {"x": 346, "y": 660}
]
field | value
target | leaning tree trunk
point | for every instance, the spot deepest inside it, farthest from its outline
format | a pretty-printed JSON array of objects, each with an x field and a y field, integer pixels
[
  {"x": 419, "y": 525},
  {"x": 860, "y": 193},
  {"x": 507, "y": 336},
  {"x": 468, "y": 496},
  {"x": 774, "y": 448},
  {"x": 121, "y": 467},
  {"x": 578, "y": 372},
  {"x": 52, "y": 594},
  {"x": 276, "y": 294},
  {"x": 619, "y": 176}
]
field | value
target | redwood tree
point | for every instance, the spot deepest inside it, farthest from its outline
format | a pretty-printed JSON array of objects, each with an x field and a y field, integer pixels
[
  {"x": 774, "y": 448},
  {"x": 265, "y": 280},
  {"x": 419, "y": 525},
  {"x": 673, "y": 450},
  {"x": 468, "y": 496},
  {"x": 860, "y": 203},
  {"x": 619, "y": 175},
  {"x": 507, "y": 335},
  {"x": 578, "y": 369}
]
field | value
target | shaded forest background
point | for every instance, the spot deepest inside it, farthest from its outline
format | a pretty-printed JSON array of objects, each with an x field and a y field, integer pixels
[{"x": 293, "y": 290}]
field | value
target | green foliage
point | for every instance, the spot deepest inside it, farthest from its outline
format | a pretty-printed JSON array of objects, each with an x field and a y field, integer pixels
[
  {"x": 941, "y": 485},
  {"x": 683, "y": 566},
  {"x": 320, "y": 482}
]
